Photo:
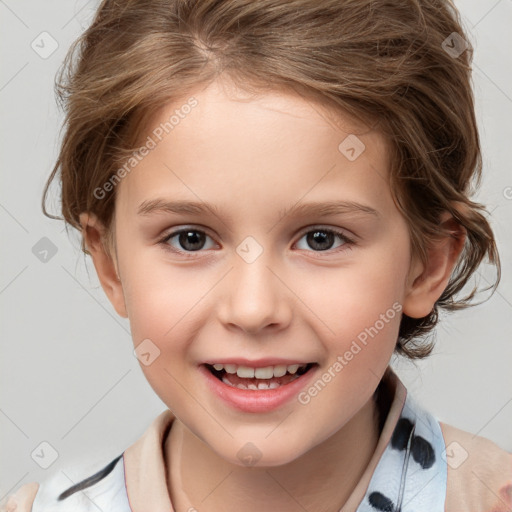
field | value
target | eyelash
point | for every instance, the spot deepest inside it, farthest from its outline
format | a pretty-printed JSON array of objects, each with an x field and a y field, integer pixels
[{"x": 347, "y": 245}]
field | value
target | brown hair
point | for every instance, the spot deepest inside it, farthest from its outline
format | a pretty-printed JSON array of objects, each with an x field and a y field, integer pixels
[{"x": 378, "y": 60}]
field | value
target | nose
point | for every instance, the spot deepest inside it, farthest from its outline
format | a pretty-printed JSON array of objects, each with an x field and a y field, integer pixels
[{"x": 254, "y": 298}]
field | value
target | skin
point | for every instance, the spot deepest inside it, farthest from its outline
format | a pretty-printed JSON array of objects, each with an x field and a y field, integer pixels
[{"x": 251, "y": 157}]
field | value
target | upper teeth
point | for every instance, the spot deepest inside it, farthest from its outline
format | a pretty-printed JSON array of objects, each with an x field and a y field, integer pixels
[{"x": 260, "y": 373}]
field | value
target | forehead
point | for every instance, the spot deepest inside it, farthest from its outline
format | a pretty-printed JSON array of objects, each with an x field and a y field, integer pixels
[{"x": 256, "y": 149}]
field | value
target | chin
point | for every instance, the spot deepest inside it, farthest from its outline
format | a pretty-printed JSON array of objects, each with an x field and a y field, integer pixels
[{"x": 254, "y": 455}]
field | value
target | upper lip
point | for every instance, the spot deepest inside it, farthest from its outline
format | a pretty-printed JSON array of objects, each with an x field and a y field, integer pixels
[{"x": 256, "y": 363}]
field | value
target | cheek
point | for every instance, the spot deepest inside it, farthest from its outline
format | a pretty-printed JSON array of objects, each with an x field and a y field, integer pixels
[
  {"x": 350, "y": 299},
  {"x": 159, "y": 297},
  {"x": 358, "y": 310}
]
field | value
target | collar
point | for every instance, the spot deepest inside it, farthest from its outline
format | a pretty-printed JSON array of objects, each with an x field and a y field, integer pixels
[{"x": 410, "y": 440}]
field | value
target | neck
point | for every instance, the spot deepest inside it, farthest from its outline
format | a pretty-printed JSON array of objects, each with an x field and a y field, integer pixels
[{"x": 321, "y": 480}]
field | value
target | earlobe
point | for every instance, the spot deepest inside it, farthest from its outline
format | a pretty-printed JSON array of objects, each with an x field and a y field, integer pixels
[
  {"x": 428, "y": 282},
  {"x": 93, "y": 233}
]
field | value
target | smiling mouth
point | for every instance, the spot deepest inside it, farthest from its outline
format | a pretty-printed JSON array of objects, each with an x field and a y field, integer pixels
[{"x": 272, "y": 382}]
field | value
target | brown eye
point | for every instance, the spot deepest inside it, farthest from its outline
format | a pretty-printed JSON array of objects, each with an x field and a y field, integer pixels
[
  {"x": 323, "y": 239},
  {"x": 188, "y": 240},
  {"x": 320, "y": 240}
]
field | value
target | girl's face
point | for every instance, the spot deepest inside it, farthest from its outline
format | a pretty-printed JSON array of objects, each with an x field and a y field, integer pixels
[{"x": 295, "y": 254}]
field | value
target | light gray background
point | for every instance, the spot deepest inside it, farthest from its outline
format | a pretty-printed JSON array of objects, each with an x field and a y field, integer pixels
[{"x": 68, "y": 376}]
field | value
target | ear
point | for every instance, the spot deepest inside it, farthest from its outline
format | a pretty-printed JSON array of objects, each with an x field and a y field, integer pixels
[
  {"x": 426, "y": 283},
  {"x": 93, "y": 233}
]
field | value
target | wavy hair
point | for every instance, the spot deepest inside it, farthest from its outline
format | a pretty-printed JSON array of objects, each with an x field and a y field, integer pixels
[{"x": 385, "y": 62}]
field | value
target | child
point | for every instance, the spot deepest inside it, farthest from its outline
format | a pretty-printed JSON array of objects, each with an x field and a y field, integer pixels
[{"x": 317, "y": 156}]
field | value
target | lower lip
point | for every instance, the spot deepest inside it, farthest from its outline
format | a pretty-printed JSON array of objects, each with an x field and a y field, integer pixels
[{"x": 252, "y": 400}]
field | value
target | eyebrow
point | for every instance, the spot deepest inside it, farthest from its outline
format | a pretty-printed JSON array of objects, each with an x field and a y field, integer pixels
[{"x": 320, "y": 209}]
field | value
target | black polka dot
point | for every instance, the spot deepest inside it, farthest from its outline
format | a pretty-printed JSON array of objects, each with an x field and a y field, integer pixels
[
  {"x": 379, "y": 502},
  {"x": 422, "y": 452},
  {"x": 401, "y": 434}
]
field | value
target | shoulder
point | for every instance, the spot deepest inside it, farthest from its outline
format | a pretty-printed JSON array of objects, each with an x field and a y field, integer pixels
[
  {"x": 103, "y": 490},
  {"x": 479, "y": 473},
  {"x": 22, "y": 499}
]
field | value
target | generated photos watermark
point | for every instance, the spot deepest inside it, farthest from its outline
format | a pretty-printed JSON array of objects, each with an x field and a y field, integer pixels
[
  {"x": 304, "y": 397},
  {"x": 152, "y": 140}
]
